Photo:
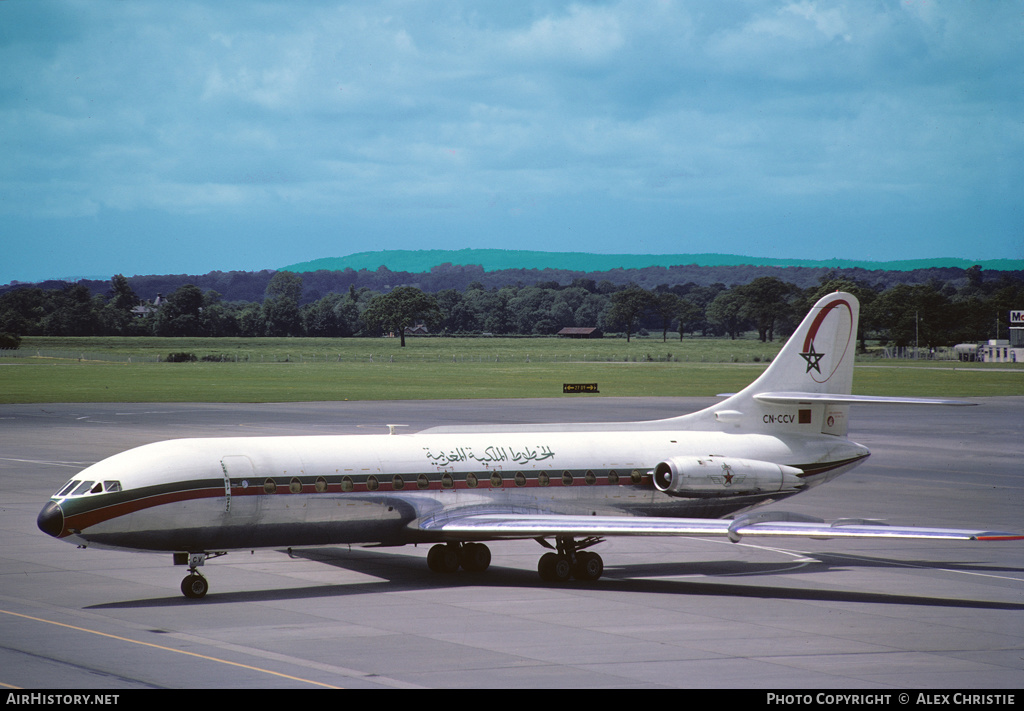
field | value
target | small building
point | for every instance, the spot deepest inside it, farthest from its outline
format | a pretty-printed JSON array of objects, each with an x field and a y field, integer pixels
[
  {"x": 1000, "y": 351},
  {"x": 146, "y": 308},
  {"x": 417, "y": 330},
  {"x": 574, "y": 332}
]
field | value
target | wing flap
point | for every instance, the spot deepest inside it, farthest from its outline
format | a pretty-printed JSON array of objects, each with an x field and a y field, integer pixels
[{"x": 516, "y": 525}]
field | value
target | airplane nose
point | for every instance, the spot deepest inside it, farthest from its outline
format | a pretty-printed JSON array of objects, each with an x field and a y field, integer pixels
[{"x": 51, "y": 520}]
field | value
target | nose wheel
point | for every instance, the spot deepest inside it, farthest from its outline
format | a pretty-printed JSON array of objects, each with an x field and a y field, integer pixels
[{"x": 195, "y": 586}]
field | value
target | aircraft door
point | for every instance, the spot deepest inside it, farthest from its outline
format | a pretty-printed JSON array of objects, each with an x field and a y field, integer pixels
[{"x": 237, "y": 467}]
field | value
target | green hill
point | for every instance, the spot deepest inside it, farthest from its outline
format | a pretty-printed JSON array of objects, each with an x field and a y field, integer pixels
[{"x": 417, "y": 261}]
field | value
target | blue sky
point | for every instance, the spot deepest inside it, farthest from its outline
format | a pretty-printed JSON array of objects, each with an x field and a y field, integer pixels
[{"x": 184, "y": 137}]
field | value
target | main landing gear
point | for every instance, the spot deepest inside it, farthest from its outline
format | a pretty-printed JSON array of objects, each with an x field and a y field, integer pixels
[
  {"x": 449, "y": 557},
  {"x": 569, "y": 559}
]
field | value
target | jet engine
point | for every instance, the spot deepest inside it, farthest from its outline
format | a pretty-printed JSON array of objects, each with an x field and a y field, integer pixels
[{"x": 681, "y": 476}]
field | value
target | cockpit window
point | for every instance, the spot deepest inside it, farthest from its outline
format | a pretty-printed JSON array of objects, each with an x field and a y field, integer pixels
[
  {"x": 82, "y": 488},
  {"x": 67, "y": 487},
  {"x": 76, "y": 487}
]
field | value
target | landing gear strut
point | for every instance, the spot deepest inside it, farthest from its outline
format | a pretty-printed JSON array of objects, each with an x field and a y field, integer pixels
[
  {"x": 570, "y": 560},
  {"x": 449, "y": 557}
]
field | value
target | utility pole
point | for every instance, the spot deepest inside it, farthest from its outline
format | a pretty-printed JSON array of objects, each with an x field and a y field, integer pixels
[{"x": 915, "y": 335}]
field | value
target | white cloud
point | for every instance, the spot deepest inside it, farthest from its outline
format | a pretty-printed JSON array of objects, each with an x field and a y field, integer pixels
[{"x": 582, "y": 34}]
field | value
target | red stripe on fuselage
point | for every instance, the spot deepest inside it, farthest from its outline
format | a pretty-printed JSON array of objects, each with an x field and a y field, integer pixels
[{"x": 81, "y": 521}]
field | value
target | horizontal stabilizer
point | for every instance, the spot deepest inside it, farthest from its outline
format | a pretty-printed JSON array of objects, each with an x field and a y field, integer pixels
[
  {"x": 484, "y": 526},
  {"x": 792, "y": 398}
]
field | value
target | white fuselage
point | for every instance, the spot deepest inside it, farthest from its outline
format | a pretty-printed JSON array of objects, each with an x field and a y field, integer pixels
[{"x": 249, "y": 492}]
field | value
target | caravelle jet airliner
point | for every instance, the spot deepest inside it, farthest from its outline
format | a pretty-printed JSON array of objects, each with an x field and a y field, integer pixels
[{"x": 567, "y": 486}]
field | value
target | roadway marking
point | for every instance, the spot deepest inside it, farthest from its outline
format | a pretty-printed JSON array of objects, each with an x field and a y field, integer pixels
[
  {"x": 805, "y": 558},
  {"x": 895, "y": 563},
  {"x": 171, "y": 649},
  {"x": 330, "y": 668},
  {"x": 901, "y": 564},
  {"x": 802, "y": 559},
  {"x": 46, "y": 462}
]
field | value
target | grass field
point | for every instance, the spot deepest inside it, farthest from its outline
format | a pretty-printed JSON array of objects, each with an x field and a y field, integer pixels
[
  {"x": 292, "y": 370},
  {"x": 264, "y": 350}
]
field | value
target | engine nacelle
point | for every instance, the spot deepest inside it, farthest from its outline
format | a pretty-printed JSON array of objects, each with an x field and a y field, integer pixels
[{"x": 681, "y": 476}]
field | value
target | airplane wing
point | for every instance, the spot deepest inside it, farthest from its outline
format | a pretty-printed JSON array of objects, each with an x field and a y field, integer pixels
[{"x": 491, "y": 525}]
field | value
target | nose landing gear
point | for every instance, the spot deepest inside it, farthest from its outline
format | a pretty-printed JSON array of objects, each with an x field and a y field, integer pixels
[{"x": 194, "y": 585}]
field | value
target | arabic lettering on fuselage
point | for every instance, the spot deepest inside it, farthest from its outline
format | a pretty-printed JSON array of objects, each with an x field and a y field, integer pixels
[{"x": 489, "y": 454}]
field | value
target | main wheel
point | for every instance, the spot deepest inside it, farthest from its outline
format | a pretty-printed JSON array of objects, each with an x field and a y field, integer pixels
[
  {"x": 475, "y": 557},
  {"x": 194, "y": 586},
  {"x": 589, "y": 566},
  {"x": 554, "y": 568},
  {"x": 443, "y": 558}
]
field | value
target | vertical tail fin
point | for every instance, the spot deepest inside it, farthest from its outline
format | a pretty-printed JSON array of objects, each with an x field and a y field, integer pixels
[
  {"x": 818, "y": 357},
  {"x": 808, "y": 387},
  {"x": 816, "y": 360}
]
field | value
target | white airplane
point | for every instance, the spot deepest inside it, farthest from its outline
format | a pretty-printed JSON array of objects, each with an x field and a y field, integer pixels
[{"x": 455, "y": 487}]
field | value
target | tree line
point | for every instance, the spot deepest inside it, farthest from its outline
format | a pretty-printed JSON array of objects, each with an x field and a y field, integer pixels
[{"x": 936, "y": 313}]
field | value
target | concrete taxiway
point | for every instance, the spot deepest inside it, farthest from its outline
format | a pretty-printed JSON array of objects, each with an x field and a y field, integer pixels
[{"x": 668, "y": 612}]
